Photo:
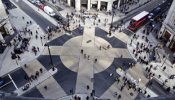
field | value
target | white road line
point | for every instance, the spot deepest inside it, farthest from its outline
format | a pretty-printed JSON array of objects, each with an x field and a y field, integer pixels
[
  {"x": 12, "y": 81},
  {"x": 5, "y": 84}
]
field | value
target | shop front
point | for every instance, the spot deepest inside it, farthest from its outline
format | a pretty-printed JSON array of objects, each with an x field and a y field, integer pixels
[
  {"x": 6, "y": 32},
  {"x": 94, "y": 4},
  {"x": 103, "y": 6},
  {"x": 172, "y": 44},
  {"x": 166, "y": 36},
  {"x": 84, "y": 4},
  {"x": 73, "y": 3}
]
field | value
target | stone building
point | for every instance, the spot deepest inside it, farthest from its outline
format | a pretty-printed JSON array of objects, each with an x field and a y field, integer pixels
[
  {"x": 167, "y": 32},
  {"x": 6, "y": 29},
  {"x": 94, "y": 4}
]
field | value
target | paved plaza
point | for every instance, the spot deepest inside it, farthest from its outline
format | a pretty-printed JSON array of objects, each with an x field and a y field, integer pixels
[{"x": 85, "y": 62}]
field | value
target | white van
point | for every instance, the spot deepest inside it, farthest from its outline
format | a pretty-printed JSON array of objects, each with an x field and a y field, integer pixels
[{"x": 49, "y": 11}]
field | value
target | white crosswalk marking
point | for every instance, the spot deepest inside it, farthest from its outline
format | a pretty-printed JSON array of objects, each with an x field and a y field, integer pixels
[{"x": 13, "y": 81}]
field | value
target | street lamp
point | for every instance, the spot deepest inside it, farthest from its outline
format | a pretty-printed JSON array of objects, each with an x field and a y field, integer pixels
[
  {"x": 68, "y": 25},
  {"x": 41, "y": 40},
  {"x": 53, "y": 68},
  {"x": 166, "y": 57},
  {"x": 114, "y": 7}
]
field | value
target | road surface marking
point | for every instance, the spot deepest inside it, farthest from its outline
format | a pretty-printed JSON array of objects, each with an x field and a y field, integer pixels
[{"x": 12, "y": 81}]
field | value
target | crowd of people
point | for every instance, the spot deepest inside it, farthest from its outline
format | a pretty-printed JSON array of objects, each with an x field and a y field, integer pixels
[
  {"x": 147, "y": 51},
  {"x": 31, "y": 78}
]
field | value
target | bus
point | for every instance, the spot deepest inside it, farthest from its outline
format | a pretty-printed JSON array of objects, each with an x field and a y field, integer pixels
[{"x": 138, "y": 21}]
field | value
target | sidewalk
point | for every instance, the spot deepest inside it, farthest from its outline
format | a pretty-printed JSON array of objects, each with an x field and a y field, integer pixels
[
  {"x": 139, "y": 4},
  {"x": 160, "y": 74},
  {"x": 138, "y": 84},
  {"x": 15, "y": 15},
  {"x": 41, "y": 12},
  {"x": 34, "y": 83}
]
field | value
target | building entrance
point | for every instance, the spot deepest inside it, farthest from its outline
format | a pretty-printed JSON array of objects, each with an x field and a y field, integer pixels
[
  {"x": 84, "y": 4},
  {"x": 166, "y": 36},
  {"x": 73, "y": 3},
  {"x": 103, "y": 6},
  {"x": 94, "y": 5},
  {"x": 3, "y": 31},
  {"x": 172, "y": 44}
]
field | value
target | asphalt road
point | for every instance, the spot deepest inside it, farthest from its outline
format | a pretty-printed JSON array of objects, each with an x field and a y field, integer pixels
[
  {"x": 57, "y": 9},
  {"x": 147, "y": 7},
  {"x": 40, "y": 20}
]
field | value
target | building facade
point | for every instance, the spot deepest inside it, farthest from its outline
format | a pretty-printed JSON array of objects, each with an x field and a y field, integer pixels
[
  {"x": 167, "y": 32},
  {"x": 105, "y": 5},
  {"x": 5, "y": 26}
]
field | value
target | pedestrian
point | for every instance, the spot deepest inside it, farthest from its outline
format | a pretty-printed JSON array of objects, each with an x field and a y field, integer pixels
[
  {"x": 30, "y": 22},
  {"x": 32, "y": 77},
  {"x": 118, "y": 80},
  {"x": 19, "y": 58},
  {"x": 45, "y": 87},
  {"x": 38, "y": 48},
  {"x": 121, "y": 88},
  {"x": 37, "y": 73},
  {"x": 35, "y": 52},
  {"x": 36, "y": 77},
  {"x": 36, "y": 32},
  {"x": 41, "y": 70},
  {"x": 25, "y": 65},
  {"x": 75, "y": 97},
  {"x": 100, "y": 47},
  {"x": 108, "y": 46},
  {"x": 93, "y": 92},
  {"x": 131, "y": 42},
  {"x": 87, "y": 87},
  {"x": 36, "y": 36},
  {"x": 95, "y": 60},
  {"x": 84, "y": 55},
  {"x": 81, "y": 51},
  {"x": 87, "y": 98},
  {"x": 27, "y": 22},
  {"x": 26, "y": 77},
  {"x": 133, "y": 51},
  {"x": 164, "y": 68},
  {"x": 88, "y": 57},
  {"x": 31, "y": 33},
  {"x": 166, "y": 80},
  {"x": 23, "y": 17},
  {"x": 115, "y": 94},
  {"x": 71, "y": 91},
  {"x": 146, "y": 69}
]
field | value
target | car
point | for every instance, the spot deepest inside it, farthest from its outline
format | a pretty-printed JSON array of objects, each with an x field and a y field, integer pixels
[
  {"x": 48, "y": 10},
  {"x": 58, "y": 18},
  {"x": 41, "y": 6},
  {"x": 53, "y": 1},
  {"x": 37, "y": 2},
  {"x": 33, "y": 1},
  {"x": 18, "y": 51},
  {"x": 42, "y": 1},
  {"x": 155, "y": 12},
  {"x": 1, "y": 82}
]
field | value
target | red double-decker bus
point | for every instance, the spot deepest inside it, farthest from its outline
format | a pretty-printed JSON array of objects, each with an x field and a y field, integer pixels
[{"x": 138, "y": 21}]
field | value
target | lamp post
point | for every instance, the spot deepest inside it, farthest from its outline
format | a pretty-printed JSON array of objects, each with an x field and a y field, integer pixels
[
  {"x": 53, "y": 68},
  {"x": 68, "y": 25},
  {"x": 114, "y": 7},
  {"x": 41, "y": 40},
  {"x": 164, "y": 60}
]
